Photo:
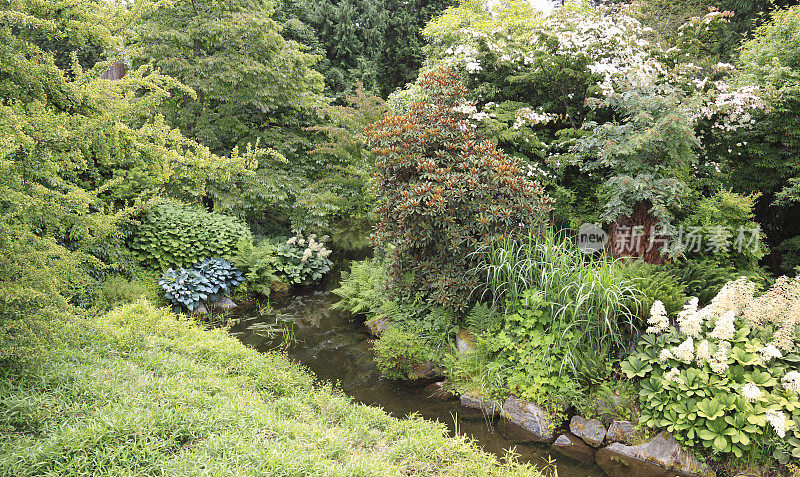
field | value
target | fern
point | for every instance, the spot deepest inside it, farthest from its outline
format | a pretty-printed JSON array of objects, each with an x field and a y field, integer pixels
[
  {"x": 361, "y": 289},
  {"x": 482, "y": 318}
]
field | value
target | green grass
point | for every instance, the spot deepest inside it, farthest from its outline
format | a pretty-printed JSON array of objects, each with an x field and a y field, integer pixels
[{"x": 142, "y": 392}]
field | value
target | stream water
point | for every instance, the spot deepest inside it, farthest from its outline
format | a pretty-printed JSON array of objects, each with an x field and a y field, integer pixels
[{"x": 337, "y": 349}]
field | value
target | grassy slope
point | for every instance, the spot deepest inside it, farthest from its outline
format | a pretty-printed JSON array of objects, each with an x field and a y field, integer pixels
[{"x": 139, "y": 391}]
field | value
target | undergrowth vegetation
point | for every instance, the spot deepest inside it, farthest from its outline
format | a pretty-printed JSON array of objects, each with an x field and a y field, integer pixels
[{"x": 139, "y": 391}]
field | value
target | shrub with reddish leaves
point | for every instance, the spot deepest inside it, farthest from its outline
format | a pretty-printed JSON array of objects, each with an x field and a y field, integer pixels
[{"x": 444, "y": 192}]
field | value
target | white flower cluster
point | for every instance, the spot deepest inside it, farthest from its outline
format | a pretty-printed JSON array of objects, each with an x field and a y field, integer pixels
[
  {"x": 529, "y": 116},
  {"x": 724, "y": 330},
  {"x": 658, "y": 320},
  {"x": 685, "y": 351},
  {"x": 791, "y": 381},
  {"x": 780, "y": 305},
  {"x": 751, "y": 392},
  {"x": 719, "y": 362},
  {"x": 777, "y": 419},
  {"x": 690, "y": 322},
  {"x": 703, "y": 352},
  {"x": 673, "y": 376},
  {"x": 768, "y": 353},
  {"x": 314, "y": 246}
]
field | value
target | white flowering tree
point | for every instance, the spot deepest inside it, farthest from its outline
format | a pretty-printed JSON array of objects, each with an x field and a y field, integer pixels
[
  {"x": 555, "y": 89},
  {"x": 725, "y": 377}
]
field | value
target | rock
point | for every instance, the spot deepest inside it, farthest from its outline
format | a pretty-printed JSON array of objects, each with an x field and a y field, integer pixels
[
  {"x": 424, "y": 373},
  {"x": 200, "y": 310},
  {"x": 475, "y": 407},
  {"x": 571, "y": 446},
  {"x": 438, "y": 391},
  {"x": 661, "y": 457},
  {"x": 591, "y": 431},
  {"x": 526, "y": 422},
  {"x": 752, "y": 473},
  {"x": 620, "y": 431},
  {"x": 465, "y": 341},
  {"x": 224, "y": 304},
  {"x": 378, "y": 325}
]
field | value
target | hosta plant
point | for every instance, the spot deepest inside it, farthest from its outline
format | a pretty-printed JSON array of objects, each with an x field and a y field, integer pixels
[
  {"x": 303, "y": 260},
  {"x": 724, "y": 377},
  {"x": 208, "y": 280},
  {"x": 185, "y": 289},
  {"x": 221, "y": 274}
]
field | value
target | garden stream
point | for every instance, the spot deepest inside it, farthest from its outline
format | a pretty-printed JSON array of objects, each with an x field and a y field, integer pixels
[{"x": 337, "y": 349}]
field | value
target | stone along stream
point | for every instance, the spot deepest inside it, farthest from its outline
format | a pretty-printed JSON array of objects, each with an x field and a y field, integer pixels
[{"x": 337, "y": 349}]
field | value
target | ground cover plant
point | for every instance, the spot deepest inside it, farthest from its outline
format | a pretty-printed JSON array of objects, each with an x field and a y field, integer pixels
[
  {"x": 724, "y": 377},
  {"x": 142, "y": 391}
]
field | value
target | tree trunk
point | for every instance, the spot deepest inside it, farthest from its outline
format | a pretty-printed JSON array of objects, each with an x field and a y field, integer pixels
[{"x": 636, "y": 235}]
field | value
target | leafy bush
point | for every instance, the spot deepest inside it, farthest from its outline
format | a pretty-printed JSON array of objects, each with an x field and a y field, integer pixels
[
  {"x": 259, "y": 262},
  {"x": 654, "y": 282},
  {"x": 705, "y": 278},
  {"x": 534, "y": 348},
  {"x": 587, "y": 295},
  {"x": 303, "y": 261},
  {"x": 222, "y": 275},
  {"x": 185, "y": 288},
  {"x": 725, "y": 378},
  {"x": 721, "y": 218},
  {"x": 207, "y": 280},
  {"x": 173, "y": 236},
  {"x": 398, "y": 350},
  {"x": 444, "y": 194},
  {"x": 117, "y": 290},
  {"x": 362, "y": 288}
]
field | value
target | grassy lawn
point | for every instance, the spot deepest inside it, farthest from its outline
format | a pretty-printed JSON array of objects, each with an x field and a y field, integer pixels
[{"x": 142, "y": 392}]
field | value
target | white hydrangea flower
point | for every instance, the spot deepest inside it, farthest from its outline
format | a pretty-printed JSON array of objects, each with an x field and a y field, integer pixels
[
  {"x": 685, "y": 351},
  {"x": 725, "y": 329},
  {"x": 777, "y": 419},
  {"x": 768, "y": 353},
  {"x": 674, "y": 376},
  {"x": 792, "y": 381},
  {"x": 665, "y": 355},
  {"x": 703, "y": 352},
  {"x": 751, "y": 392},
  {"x": 658, "y": 320}
]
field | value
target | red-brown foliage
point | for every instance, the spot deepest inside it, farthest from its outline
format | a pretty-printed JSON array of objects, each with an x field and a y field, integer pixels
[{"x": 444, "y": 192}]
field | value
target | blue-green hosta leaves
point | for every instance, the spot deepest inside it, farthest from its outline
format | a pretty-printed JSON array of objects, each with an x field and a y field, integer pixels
[{"x": 207, "y": 280}]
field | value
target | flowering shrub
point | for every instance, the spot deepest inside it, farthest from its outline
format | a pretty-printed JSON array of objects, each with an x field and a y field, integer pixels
[
  {"x": 444, "y": 192},
  {"x": 725, "y": 376},
  {"x": 303, "y": 261}
]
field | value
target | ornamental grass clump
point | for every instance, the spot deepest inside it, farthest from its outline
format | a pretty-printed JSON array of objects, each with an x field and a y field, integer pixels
[{"x": 724, "y": 377}]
